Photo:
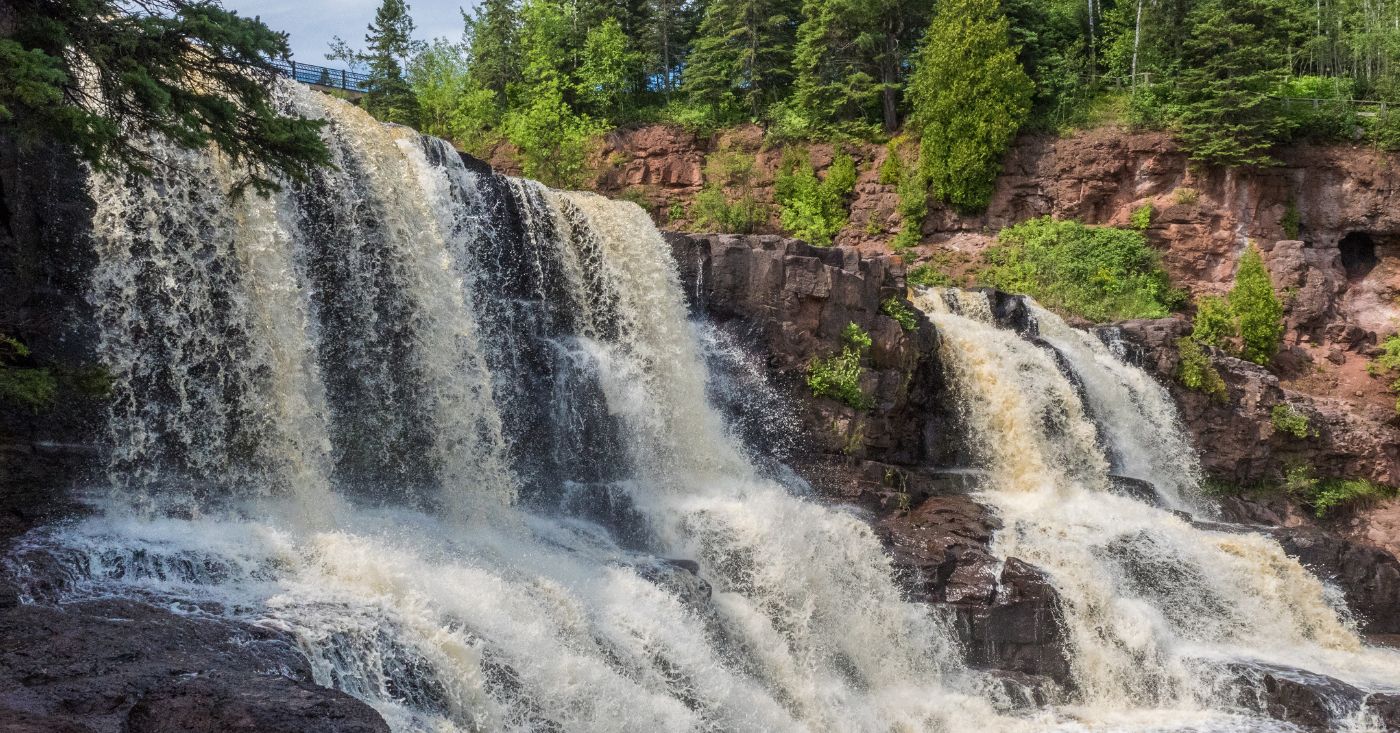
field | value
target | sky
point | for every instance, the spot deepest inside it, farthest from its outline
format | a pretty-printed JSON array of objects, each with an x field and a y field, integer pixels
[{"x": 312, "y": 23}]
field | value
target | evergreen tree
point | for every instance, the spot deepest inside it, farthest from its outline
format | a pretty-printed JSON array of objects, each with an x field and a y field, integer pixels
[
  {"x": 969, "y": 96},
  {"x": 849, "y": 58},
  {"x": 388, "y": 95},
  {"x": 493, "y": 35},
  {"x": 1257, "y": 309},
  {"x": 1234, "y": 61},
  {"x": 141, "y": 76},
  {"x": 672, "y": 25},
  {"x": 741, "y": 60}
]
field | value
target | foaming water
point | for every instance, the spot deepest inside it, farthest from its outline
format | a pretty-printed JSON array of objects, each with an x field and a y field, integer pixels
[
  {"x": 1160, "y": 611},
  {"x": 446, "y": 428}
]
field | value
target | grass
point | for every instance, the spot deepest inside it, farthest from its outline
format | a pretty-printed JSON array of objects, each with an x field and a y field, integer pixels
[{"x": 838, "y": 376}]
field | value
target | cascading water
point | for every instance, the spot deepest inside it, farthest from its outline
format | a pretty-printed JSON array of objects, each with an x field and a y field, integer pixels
[
  {"x": 443, "y": 427},
  {"x": 1161, "y": 612}
]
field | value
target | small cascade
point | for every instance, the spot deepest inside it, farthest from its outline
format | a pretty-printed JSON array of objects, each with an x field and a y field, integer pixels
[{"x": 1161, "y": 612}]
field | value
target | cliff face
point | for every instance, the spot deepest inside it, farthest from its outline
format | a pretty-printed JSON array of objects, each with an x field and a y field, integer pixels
[{"x": 1327, "y": 222}]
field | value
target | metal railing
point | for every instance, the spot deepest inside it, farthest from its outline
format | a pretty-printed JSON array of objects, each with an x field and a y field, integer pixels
[{"x": 350, "y": 81}]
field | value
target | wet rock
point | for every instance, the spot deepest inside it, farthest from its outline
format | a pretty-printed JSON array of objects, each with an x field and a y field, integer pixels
[
  {"x": 116, "y": 665},
  {"x": 1020, "y": 630},
  {"x": 1310, "y": 701},
  {"x": 1016, "y": 690}
]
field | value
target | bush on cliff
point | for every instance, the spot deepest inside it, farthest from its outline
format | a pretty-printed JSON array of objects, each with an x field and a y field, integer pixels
[
  {"x": 1099, "y": 273},
  {"x": 812, "y": 208},
  {"x": 727, "y": 203},
  {"x": 838, "y": 376},
  {"x": 1196, "y": 371},
  {"x": 1257, "y": 309},
  {"x": 1388, "y": 364}
]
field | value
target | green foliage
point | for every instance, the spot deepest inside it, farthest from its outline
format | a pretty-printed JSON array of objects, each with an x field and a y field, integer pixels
[
  {"x": 928, "y": 276},
  {"x": 812, "y": 209},
  {"x": 185, "y": 70},
  {"x": 741, "y": 59},
  {"x": 1197, "y": 372},
  {"x": 1215, "y": 323},
  {"x": 1388, "y": 363},
  {"x": 1100, "y": 273},
  {"x": 1235, "y": 60},
  {"x": 1141, "y": 217},
  {"x": 901, "y": 313},
  {"x": 390, "y": 45},
  {"x": 849, "y": 61},
  {"x": 891, "y": 166},
  {"x": 1257, "y": 309},
  {"x": 726, "y": 203},
  {"x": 1186, "y": 196},
  {"x": 969, "y": 96},
  {"x": 552, "y": 138},
  {"x": 838, "y": 376},
  {"x": 1292, "y": 222},
  {"x": 1332, "y": 494},
  {"x": 912, "y": 207},
  {"x": 1288, "y": 419},
  {"x": 23, "y": 382},
  {"x": 607, "y": 71},
  {"x": 450, "y": 104}
]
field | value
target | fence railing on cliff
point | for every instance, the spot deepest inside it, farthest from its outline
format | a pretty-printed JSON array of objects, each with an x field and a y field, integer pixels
[{"x": 350, "y": 81}]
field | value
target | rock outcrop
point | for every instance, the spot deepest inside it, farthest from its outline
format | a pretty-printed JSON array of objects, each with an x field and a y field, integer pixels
[{"x": 126, "y": 667}]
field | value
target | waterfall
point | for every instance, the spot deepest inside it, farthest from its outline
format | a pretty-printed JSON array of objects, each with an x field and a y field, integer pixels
[
  {"x": 448, "y": 429},
  {"x": 1157, "y": 607},
  {"x": 454, "y": 433}
]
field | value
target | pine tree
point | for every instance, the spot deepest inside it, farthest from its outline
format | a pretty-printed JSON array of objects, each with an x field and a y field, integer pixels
[
  {"x": 1235, "y": 59},
  {"x": 741, "y": 60},
  {"x": 493, "y": 36},
  {"x": 139, "y": 82},
  {"x": 388, "y": 95},
  {"x": 849, "y": 58},
  {"x": 1257, "y": 309},
  {"x": 969, "y": 96}
]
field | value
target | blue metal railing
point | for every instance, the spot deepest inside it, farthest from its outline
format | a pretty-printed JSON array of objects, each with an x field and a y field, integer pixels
[{"x": 350, "y": 81}]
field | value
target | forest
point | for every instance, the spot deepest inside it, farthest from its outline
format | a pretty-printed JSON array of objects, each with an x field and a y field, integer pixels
[{"x": 1232, "y": 79}]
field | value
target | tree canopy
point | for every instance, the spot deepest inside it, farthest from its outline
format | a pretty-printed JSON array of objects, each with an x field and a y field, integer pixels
[{"x": 99, "y": 75}]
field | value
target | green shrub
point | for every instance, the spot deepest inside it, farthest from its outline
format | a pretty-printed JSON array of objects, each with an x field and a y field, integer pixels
[
  {"x": 1257, "y": 309},
  {"x": 1215, "y": 323},
  {"x": 1331, "y": 117},
  {"x": 901, "y": 313},
  {"x": 928, "y": 276},
  {"x": 1288, "y": 419},
  {"x": 1330, "y": 494},
  {"x": 1388, "y": 364},
  {"x": 1142, "y": 217},
  {"x": 891, "y": 167},
  {"x": 1197, "y": 372},
  {"x": 810, "y": 208},
  {"x": 1292, "y": 221},
  {"x": 676, "y": 212},
  {"x": 912, "y": 208},
  {"x": 1100, "y": 273},
  {"x": 23, "y": 383},
  {"x": 1186, "y": 196},
  {"x": 726, "y": 203},
  {"x": 838, "y": 376}
]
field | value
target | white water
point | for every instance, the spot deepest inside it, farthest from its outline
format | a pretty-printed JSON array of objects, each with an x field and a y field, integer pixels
[
  {"x": 443, "y": 428},
  {"x": 1154, "y": 604},
  {"x": 327, "y": 409}
]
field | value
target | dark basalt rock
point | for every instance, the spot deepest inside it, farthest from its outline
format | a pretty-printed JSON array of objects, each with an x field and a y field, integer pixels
[
  {"x": 123, "y": 666},
  {"x": 1310, "y": 701}
]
